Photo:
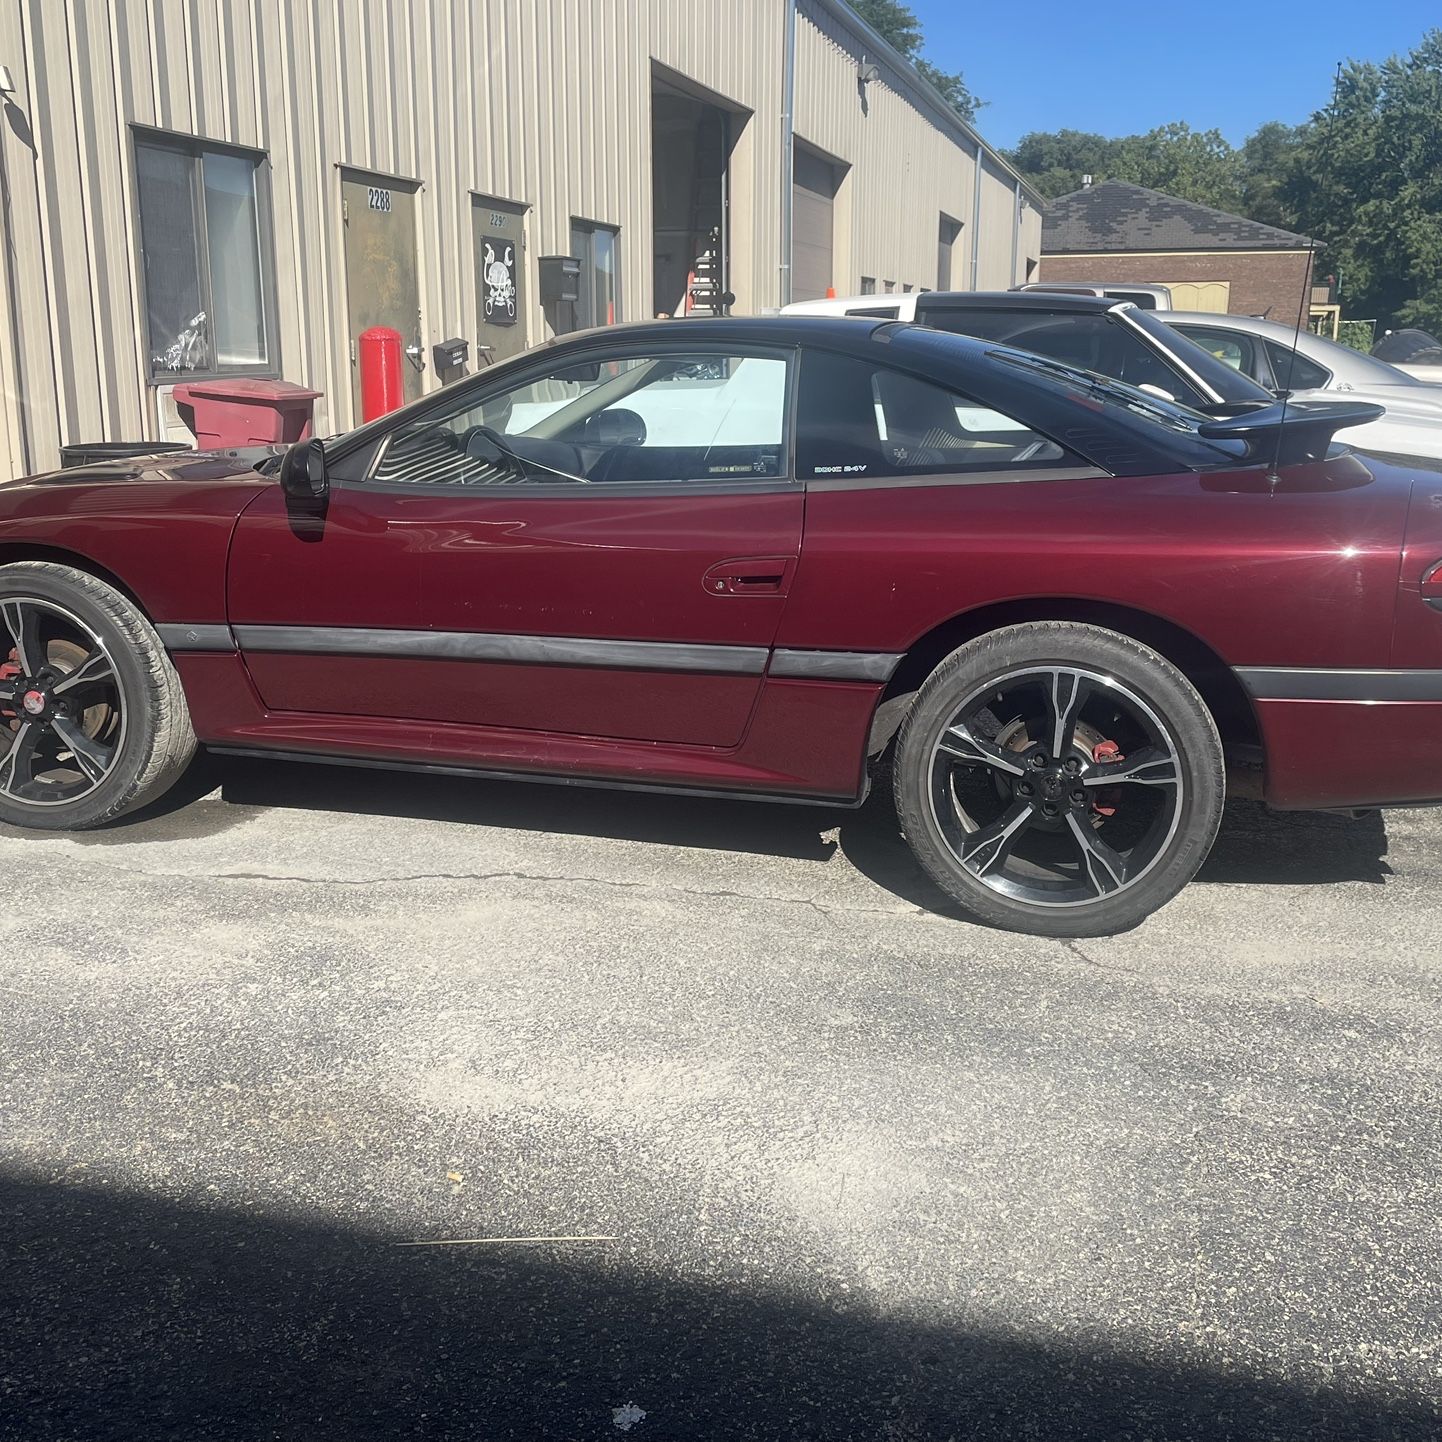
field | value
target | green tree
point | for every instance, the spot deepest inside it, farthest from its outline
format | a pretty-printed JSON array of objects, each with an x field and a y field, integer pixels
[
  {"x": 1265, "y": 160},
  {"x": 1056, "y": 161},
  {"x": 1366, "y": 180},
  {"x": 898, "y": 26},
  {"x": 1197, "y": 165},
  {"x": 1194, "y": 164}
]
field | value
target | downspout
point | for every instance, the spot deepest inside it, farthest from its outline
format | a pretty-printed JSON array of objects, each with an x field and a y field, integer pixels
[
  {"x": 788, "y": 149},
  {"x": 976, "y": 222},
  {"x": 1015, "y": 230}
]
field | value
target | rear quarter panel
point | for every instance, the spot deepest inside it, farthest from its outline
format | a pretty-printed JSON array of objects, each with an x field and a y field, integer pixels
[{"x": 1301, "y": 575}]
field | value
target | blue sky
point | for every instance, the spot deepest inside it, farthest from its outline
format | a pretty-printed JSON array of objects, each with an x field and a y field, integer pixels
[{"x": 1050, "y": 65}]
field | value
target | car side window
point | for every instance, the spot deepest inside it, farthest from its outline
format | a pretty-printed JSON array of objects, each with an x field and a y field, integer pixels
[
  {"x": 703, "y": 417},
  {"x": 1234, "y": 350},
  {"x": 1295, "y": 372},
  {"x": 857, "y": 419}
]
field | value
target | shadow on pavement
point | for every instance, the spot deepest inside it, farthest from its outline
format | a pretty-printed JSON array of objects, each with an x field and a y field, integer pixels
[
  {"x": 127, "y": 1317},
  {"x": 1255, "y": 846}
]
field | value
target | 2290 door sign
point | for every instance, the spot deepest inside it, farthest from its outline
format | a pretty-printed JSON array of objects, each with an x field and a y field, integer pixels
[{"x": 498, "y": 275}]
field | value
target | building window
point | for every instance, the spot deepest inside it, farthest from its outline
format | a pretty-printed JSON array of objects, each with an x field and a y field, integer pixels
[
  {"x": 868, "y": 285},
  {"x": 206, "y": 255},
  {"x": 906, "y": 287},
  {"x": 889, "y": 286},
  {"x": 595, "y": 246}
]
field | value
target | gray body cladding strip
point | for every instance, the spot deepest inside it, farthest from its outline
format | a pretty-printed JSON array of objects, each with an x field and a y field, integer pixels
[
  {"x": 521, "y": 650},
  {"x": 834, "y": 665},
  {"x": 1306, "y": 683},
  {"x": 868, "y": 666},
  {"x": 180, "y": 637}
]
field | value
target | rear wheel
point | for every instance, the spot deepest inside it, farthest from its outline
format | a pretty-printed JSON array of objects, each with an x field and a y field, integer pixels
[
  {"x": 93, "y": 722},
  {"x": 1059, "y": 779}
]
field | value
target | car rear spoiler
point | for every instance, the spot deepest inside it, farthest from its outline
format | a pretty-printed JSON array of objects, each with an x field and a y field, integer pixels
[{"x": 1291, "y": 431}]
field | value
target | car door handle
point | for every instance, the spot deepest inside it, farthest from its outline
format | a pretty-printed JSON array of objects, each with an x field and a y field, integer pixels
[{"x": 750, "y": 576}]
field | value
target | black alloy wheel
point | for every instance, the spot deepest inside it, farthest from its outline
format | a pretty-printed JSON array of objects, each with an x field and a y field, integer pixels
[
  {"x": 93, "y": 722},
  {"x": 62, "y": 699},
  {"x": 1060, "y": 779}
]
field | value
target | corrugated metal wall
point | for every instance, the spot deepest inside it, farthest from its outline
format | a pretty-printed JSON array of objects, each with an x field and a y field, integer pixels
[
  {"x": 994, "y": 256},
  {"x": 541, "y": 101},
  {"x": 903, "y": 170}
]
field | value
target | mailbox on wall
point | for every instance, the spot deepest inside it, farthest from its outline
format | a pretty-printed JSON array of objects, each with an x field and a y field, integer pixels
[{"x": 560, "y": 279}]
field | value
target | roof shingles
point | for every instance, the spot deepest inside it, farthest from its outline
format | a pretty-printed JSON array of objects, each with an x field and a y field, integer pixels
[{"x": 1118, "y": 216}]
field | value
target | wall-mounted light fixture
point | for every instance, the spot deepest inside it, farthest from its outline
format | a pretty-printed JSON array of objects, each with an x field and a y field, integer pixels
[
  {"x": 7, "y": 81},
  {"x": 866, "y": 72}
]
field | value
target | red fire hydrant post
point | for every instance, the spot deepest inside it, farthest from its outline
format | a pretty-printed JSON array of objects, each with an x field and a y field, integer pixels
[{"x": 379, "y": 350}]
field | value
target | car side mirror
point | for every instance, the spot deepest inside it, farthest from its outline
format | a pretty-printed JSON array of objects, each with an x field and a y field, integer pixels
[
  {"x": 615, "y": 427},
  {"x": 303, "y": 473}
]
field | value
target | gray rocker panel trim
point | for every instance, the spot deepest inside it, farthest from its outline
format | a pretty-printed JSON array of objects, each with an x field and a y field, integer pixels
[
  {"x": 520, "y": 650},
  {"x": 181, "y": 637},
  {"x": 1307, "y": 683},
  {"x": 834, "y": 665}
]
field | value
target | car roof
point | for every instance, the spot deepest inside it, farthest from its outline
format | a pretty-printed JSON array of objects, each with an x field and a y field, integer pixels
[
  {"x": 1016, "y": 300},
  {"x": 1252, "y": 324},
  {"x": 752, "y": 329},
  {"x": 1052, "y": 300}
]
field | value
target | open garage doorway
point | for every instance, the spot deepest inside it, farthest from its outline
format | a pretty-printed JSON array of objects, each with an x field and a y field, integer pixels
[{"x": 691, "y": 142}]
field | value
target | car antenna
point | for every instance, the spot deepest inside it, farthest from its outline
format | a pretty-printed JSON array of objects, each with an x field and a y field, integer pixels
[{"x": 1302, "y": 307}]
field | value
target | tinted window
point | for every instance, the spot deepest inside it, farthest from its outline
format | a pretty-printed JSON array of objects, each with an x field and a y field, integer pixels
[
  {"x": 1091, "y": 340},
  {"x": 859, "y": 419},
  {"x": 1233, "y": 348},
  {"x": 1096, "y": 392},
  {"x": 634, "y": 418},
  {"x": 1295, "y": 373}
]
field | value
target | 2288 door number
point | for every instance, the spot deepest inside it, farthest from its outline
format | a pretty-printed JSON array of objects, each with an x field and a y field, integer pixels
[{"x": 378, "y": 198}]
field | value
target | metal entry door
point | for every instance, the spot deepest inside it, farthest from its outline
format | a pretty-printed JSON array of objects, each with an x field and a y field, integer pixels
[
  {"x": 382, "y": 285},
  {"x": 498, "y": 230},
  {"x": 812, "y": 223}
]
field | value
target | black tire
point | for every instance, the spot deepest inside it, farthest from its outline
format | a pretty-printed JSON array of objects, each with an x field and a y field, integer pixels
[
  {"x": 1114, "y": 671},
  {"x": 141, "y": 696}
]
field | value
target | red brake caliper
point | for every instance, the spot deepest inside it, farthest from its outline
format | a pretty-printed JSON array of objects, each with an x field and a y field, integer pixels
[
  {"x": 9, "y": 670},
  {"x": 1106, "y": 802}
]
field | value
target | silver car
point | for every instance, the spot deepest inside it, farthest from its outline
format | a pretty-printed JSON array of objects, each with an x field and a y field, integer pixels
[{"x": 1263, "y": 351}]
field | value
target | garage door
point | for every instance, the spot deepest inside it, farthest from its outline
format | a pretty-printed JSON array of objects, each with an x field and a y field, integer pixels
[{"x": 813, "y": 201}]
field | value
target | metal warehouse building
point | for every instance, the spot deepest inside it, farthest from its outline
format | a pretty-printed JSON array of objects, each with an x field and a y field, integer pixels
[{"x": 212, "y": 188}]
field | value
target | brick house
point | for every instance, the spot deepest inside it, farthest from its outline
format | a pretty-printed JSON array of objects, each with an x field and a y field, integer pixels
[{"x": 1116, "y": 231}]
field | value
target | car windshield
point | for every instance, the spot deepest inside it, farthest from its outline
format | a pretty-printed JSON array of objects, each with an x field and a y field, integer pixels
[{"x": 1101, "y": 391}]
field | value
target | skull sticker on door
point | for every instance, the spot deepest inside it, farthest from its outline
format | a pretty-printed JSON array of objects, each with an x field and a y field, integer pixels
[{"x": 498, "y": 274}]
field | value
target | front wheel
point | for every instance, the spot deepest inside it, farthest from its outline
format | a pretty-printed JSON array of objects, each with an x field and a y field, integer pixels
[
  {"x": 93, "y": 722},
  {"x": 1059, "y": 779}
]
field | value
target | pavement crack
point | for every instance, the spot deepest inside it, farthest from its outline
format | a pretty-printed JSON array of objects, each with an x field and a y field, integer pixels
[
  {"x": 1075, "y": 947},
  {"x": 829, "y": 912}
]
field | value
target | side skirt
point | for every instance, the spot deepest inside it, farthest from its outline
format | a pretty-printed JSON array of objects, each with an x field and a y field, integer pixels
[{"x": 310, "y": 758}]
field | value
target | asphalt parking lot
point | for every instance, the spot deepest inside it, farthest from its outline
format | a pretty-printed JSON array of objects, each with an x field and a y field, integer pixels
[{"x": 833, "y": 1165}]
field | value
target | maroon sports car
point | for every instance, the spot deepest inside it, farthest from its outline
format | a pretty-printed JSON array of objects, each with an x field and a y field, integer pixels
[{"x": 766, "y": 557}]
